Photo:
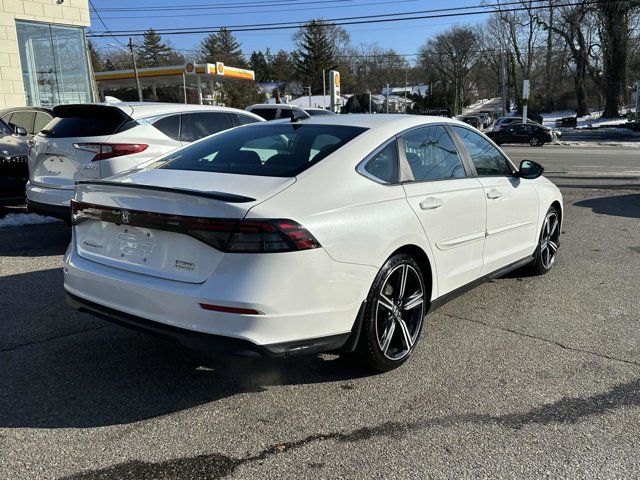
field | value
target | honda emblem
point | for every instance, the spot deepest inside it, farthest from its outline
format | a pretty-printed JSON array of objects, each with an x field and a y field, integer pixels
[{"x": 125, "y": 216}]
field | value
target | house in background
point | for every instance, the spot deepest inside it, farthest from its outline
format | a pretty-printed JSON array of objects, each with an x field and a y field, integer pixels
[{"x": 43, "y": 53}]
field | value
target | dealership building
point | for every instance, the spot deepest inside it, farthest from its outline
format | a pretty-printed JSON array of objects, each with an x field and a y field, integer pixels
[{"x": 43, "y": 54}]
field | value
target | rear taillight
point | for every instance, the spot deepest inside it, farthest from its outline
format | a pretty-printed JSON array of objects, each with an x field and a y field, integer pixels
[
  {"x": 227, "y": 235},
  {"x": 255, "y": 236},
  {"x": 103, "y": 151}
]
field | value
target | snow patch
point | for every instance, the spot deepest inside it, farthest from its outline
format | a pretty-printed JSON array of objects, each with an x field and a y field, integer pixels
[{"x": 21, "y": 219}]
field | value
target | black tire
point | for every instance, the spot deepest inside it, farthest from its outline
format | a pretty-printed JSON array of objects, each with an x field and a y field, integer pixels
[
  {"x": 535, "y": 142},
  {"x": 548, "y": 244},
  {"x": 397, "y": 328}
]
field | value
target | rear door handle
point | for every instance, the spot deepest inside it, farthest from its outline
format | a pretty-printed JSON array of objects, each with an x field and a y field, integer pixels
[
  {"x": 493, "y": 194},
  {"x": 431, "y": 203}
]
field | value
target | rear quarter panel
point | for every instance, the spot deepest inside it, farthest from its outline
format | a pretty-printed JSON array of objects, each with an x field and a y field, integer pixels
[{"x": 355, "y": 219}]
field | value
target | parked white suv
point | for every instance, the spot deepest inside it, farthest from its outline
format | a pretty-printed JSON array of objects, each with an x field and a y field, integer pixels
[{"x": 95, "y": 141}]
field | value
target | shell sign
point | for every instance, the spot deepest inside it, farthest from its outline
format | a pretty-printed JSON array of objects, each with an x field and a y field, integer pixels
[
  {"x": 190, "y": 68},
  {"x": 220, "y": 68}
]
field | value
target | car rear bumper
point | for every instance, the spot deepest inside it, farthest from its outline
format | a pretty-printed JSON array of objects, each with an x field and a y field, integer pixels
[
  {"x": 55, "y": 211},
  {"x": 307, "y": 302},
  {"x": 59, "y": 197},
  {"x": 206, "y": 341}
]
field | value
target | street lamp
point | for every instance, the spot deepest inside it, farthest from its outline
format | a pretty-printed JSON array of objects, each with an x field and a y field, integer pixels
[{"x": 135, "y": 65}]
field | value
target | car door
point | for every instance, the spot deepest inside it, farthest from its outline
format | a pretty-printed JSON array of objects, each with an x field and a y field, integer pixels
[
  {"x": 448, "y": 201},
  {"x": 511, "y": 203}
]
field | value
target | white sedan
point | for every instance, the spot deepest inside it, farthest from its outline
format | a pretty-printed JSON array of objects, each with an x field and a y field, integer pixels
[{"x": 334, "y": 233}]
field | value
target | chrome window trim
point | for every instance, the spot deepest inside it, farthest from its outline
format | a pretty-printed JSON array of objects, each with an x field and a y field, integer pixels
[{"x": 360, "y": 168}]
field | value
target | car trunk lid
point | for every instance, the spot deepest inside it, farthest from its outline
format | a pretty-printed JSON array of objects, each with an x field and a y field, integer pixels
[{"x": 148, "y": 222}]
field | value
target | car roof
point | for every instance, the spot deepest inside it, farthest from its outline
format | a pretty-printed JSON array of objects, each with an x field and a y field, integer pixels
[
  {"x": 378, "y": 120},
  {"x": 138, "y": 110},
  {"x": 274, "y": 106}
]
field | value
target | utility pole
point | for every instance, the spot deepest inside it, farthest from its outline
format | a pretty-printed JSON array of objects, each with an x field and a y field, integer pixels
[
  {"x": 129, "y": 49},
  {"x": 324, "y": 90},
  {"x": 135, "y": 68},
  {"x": 406, "y": 84},
  {"x": 503, "y": 86},
  {"x": 309, "y": 89},
  {"x": 387, "y": 98},
  {"x": 370, "y": 101},
  {"x": 638, "y": 102}
]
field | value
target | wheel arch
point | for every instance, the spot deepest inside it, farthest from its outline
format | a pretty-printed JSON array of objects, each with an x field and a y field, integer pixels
[
  {"x": 421, "y": 257},
  {"x": 558, "y": 206}
]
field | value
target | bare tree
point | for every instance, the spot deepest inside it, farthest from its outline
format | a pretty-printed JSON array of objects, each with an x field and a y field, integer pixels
[
  {"x": 574, "y": 23},
  {"x": 455, "y": 54},
  {"x": 373, "y": 67}
]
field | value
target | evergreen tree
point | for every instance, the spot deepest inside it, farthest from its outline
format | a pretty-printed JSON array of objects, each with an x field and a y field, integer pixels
[
  {"x": 154, "y": 52},
  {"x": 259, "y": 65},
  {"x": 315, "y": 53},
  {"x": 94, "y": 56},
  {"x": 222, "y": 46}
]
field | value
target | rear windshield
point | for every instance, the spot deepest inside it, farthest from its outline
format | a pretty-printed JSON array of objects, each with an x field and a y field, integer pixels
[
  {"x": 95, "y": 126},
  {"x": 274, "y": 150}
]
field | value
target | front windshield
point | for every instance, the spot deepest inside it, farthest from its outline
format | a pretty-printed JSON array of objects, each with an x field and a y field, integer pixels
[{"x": 275, "y": 150}]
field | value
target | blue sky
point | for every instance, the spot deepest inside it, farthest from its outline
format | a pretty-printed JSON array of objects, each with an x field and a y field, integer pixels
[{"x": 405, "y": 37}]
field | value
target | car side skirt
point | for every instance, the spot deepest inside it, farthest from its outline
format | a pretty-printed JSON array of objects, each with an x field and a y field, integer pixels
[{"x": 446, "y": 298}]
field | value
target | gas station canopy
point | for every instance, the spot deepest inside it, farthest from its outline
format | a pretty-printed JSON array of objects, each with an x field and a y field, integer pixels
[{"x": 174, "y": 75}]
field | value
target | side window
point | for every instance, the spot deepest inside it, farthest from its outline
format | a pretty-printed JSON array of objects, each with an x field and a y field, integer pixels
[
  {"x": 199, "y": 125},
  {"x": 487, "y": 159},
  {"x": 24, "y": 119},
  {"x": 244, "y": 119},
  {"x": 266, "y": 113},
  {"x": 432, "y": 155},
  {"x": 41, "y": 121},
  {"x": 384, "y": 165},
  {"x": 170, "y": 126},
  {"x": 286, "y": 113}
]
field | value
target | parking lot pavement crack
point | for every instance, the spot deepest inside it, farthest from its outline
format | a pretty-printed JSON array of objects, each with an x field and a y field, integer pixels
[
  {"x": 48, "y": 339},
  {"x": 542, "y": 339},
  {"x": 217, "y": 465}
]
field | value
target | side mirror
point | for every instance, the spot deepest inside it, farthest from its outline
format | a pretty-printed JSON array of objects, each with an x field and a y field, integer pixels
[
  {"x": 18, "y": 130},
  {"x": 530, "y": 169}
]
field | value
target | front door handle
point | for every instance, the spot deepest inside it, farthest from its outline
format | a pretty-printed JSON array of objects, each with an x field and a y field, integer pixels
[
  {"x": 431, "y": 203},
  {"x": 493, "y": 194}
]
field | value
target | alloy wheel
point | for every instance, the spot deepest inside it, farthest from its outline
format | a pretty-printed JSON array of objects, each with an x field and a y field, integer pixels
[
  {"x": 399, "y": 311},
  {"x": 549, "y": 241},
  {"x": 534, "y": 141}
]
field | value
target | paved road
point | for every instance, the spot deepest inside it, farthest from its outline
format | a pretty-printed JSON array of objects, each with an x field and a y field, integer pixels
[{"x": 523, "y": 377}]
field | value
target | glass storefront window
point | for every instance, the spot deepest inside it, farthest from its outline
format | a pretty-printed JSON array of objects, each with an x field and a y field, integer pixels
[{"x": 54, "y": 64}]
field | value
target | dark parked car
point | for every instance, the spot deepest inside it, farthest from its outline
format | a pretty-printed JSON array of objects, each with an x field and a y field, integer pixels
[
  {"x": 534, "y": 135},
  {"x": 473, "y": 120},
  {"x": 32, "y": 119},
  {"x": 14, "y": 171}
]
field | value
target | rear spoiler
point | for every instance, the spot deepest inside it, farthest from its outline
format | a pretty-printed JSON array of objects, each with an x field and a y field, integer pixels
[{"x": 222, "y": 196}]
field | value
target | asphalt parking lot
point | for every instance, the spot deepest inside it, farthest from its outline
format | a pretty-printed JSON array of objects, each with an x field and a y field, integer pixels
[{"x": 523, "y": 377}]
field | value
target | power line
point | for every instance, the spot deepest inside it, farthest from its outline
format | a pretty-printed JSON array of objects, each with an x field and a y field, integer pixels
[
  {"x": 102, "y": 22},
  {"x": 359, "y": 18},
  {"x": 305, "y": 9},
  {"x": 355, "y": 20},
  {"x": 226, "y": 6}
]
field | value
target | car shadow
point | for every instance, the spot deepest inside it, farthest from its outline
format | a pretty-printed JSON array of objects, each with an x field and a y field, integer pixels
[
  {"x": 618, "y": 206},
  {"x": 34, "y": 240},
  {"x": 64, "y": 369}
]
